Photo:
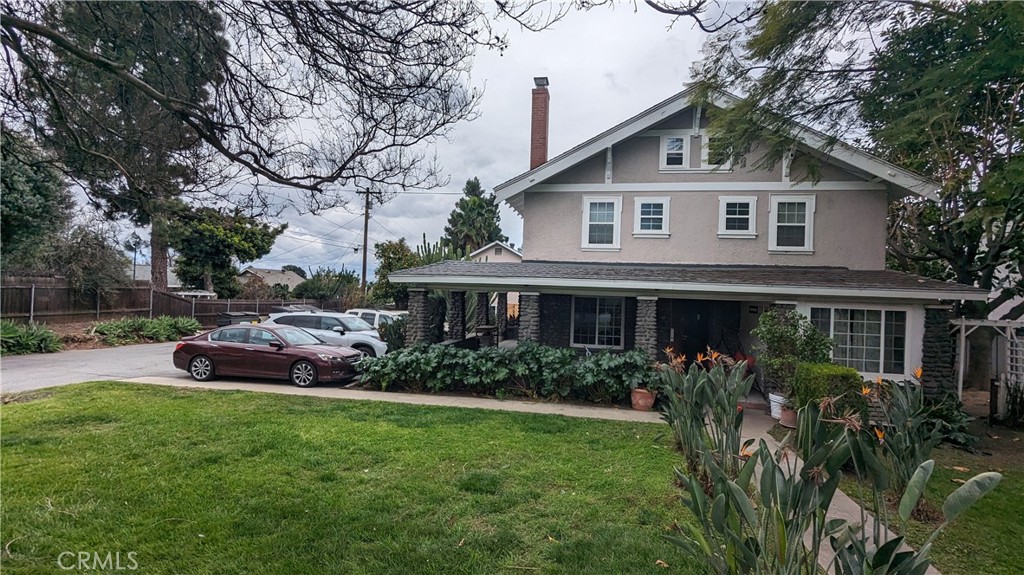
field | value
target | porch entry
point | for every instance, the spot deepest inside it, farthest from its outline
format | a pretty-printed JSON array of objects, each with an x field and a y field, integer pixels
[{"x": 695, "y": 325}]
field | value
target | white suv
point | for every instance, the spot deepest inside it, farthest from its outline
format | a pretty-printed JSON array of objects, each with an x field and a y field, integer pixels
[
  {"x": 335, "y": 328},
  {"x": 377, "y": 317}
]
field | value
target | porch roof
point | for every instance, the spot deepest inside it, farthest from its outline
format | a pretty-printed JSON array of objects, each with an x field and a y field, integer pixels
[{"x": 675, "y": 280}]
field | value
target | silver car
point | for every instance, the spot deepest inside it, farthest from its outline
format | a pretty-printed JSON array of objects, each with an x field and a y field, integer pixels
[{"x": 335, "y": 328}]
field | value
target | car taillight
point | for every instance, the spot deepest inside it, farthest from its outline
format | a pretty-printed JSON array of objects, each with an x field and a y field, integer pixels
[{"x": 180, "y": 345}]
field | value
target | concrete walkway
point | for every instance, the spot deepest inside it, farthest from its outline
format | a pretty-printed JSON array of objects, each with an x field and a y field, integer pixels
[{"x": 756, "y": 423}]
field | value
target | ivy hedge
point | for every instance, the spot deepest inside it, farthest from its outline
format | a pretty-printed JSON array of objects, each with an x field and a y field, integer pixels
[{"x": 528, "y": 370}]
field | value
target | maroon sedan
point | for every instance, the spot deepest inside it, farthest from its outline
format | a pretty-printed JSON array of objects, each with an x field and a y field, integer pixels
[{"x": 276, "y": 352}]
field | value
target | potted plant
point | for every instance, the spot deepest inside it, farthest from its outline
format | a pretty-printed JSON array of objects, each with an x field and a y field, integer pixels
[
  {"x": 786, "y": 338},
  {"x": 643, "y": 398},
  {"x": 787, "y": 415}
]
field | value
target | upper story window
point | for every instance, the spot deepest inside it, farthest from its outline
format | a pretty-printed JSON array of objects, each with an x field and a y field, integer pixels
[
  {"x": 791, "y": 222},
  {"x": 498, "y": 251},
  {"x": 737, "y": 216},
  {"x": 714, "y": 153},
  {"x": 650, "y": 217},
  {"x": 601, "y": 221},
  {"x": 675, "y": 151}
]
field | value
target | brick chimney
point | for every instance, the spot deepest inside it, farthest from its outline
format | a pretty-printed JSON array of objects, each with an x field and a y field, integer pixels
[{"x": 539, "y": 123}]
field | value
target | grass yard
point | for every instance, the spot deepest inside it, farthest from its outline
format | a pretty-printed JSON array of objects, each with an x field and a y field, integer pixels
[{"x": 231, "y": 482}]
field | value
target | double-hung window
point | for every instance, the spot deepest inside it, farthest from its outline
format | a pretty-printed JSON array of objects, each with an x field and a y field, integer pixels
[
  {"x": 714, "y": 153},
  {"x": 791, "y": 222},
  {"x": 675, "y": 152},
  {"x": 601, "y": 221},
  {"x": 737, "y": 216},
  {"x": 650, "y": 217},
  {"x": 597, "y": 321},
  {"x": 868, "y": 340}
]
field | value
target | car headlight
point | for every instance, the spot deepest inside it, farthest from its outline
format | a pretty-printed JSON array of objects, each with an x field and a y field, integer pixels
[{"x": 328, "y": 357}]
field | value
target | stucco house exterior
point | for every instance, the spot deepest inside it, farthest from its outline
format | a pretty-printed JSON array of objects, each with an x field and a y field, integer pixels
[
  {"x": 644, "y": 237},
  {"x": 271, "y": 276},
  {"x": 500, "y": 252}
]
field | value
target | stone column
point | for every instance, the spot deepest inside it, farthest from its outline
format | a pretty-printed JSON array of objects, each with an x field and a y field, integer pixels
[
  {"x": 457, "y": 316},
  {"x": 501, "y": 316},
  {"x": 529, "y": 316},
  {"x": 937, "y": 352},
  {"x": 646, "y": 337},
  {"x": 483, "y": 305},
  {"x": 417, "y": 330}
]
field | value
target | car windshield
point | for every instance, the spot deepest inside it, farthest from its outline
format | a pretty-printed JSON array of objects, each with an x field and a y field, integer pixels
[
  {"x": 353, "y": 323},
  {"x": 295, "y": 336}
]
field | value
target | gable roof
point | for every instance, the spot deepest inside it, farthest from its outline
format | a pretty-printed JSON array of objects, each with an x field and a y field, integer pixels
[
  {"x": 841, "y": 152},
  {"x": 272, "y": 276},
  {"x": 496, "y": 243}
]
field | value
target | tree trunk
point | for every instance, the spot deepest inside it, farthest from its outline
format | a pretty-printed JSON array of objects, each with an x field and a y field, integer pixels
[
  {"x": 208, "y": 279},
  {"x": 158, "y": 259}
]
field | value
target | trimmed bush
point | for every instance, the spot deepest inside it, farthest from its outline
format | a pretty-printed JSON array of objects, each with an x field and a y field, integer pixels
[
  {"x": 529, "y": 370},
  {"x": 20, "y": 339},
  {"x": 137, "y": 330},
  {"x": 813, "y": 382}
]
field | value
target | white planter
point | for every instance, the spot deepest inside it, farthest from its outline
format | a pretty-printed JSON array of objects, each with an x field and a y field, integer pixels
[{"x": 776, "y": 401}]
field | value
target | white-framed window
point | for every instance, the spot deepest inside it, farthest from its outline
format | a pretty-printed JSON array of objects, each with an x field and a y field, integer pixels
[
  {"x": 868, "y": 340},
  {"x": 651, "y": 217},
  {"x": 602, "y": 217},
  {"x": 713, "y": 153},
  {"x": 675, "y": 151},
  {"x": 791, "y": 223},
  {"x": 737, "y": 216},
  {"x": 598, "y": 321}
]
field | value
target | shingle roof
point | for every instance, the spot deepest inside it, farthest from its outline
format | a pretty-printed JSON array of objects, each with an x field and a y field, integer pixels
[
  {"x": 774, "y": 281},
  {"x": 272, "y": 276}
]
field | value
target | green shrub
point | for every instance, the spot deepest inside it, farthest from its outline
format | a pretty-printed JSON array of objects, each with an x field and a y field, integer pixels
[
  {"x": 955, "y": 422},
  {"x": 813, "y": 382},
  {"x": 136, "y": 329},
  {"x": 393, "y": 333},
  {"x": 20, "y": 339},
  {"x": 787, "y": 338},
  {"x": 530, "y": 370}
]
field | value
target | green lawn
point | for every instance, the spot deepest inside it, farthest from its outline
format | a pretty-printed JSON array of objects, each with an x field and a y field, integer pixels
[{"x": 232, "y": 482}]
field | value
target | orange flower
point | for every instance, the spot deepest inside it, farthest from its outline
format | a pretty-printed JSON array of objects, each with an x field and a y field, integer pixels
[
  {"x": 880, "y": 435},
  {"x": 878, "y": 380},
  {"x": 746, "y": 452},
  {"x": 865, "y": 390},
  {"x": 918, "y": 373},
  {"x": 669, "y": 350},
  {"x": 714, "y": 354},
  {"x": 739, "y": 409},
  {"x": 701, "y": 358}
]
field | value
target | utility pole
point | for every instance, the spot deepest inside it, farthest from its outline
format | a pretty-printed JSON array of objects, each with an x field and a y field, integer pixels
[{"x": 366, "y": 234}]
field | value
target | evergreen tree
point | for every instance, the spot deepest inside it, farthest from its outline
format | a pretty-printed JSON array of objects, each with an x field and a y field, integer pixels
[{"x": 475, "y": 221}]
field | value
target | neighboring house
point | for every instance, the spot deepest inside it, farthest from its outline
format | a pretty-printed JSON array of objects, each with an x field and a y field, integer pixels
[
  {"x": 500, "y": 252},
  {"x": 644, "y": 237},
  {"x": 271, "y": 277}
]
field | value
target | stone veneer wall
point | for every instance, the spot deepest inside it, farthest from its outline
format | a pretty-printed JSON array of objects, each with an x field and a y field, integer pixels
[
  {"x": 483, "y": 307},
  {"x": 457, "y": 316},
  {"x": 556, "y": 319},
  {"x": 418, "y": 328},
  {"x": 647, "y": 326},
  {"x": 501, "y": 321},
  {"x": 937, "y": 352},
  {"x": 529, "y": 317}
]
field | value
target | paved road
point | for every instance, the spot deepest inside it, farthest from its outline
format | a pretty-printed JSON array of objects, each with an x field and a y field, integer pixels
[{"x": 24, "y": 372}]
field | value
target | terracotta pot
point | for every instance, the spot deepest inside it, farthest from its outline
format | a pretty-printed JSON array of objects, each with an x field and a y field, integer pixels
[
  {"x": 643, "y": 399},
  {"x": 788, "y": 417}
]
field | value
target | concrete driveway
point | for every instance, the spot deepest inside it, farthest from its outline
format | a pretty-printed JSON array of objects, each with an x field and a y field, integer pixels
[{"x": 25, "y": 372}]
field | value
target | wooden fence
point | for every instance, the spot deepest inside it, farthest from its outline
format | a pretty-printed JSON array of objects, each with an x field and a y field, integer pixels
[{"x": 62, "y": 304}]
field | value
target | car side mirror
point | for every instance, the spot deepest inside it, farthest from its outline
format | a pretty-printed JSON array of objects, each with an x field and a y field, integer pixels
[
  {"x": 276, "y": 345},
  {"x": 339, "y": 329}
]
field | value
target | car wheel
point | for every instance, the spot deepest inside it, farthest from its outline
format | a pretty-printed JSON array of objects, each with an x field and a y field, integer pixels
[
  {"x": 201, "y": 368},
  {"x": 365, "y": 350},
  {"x": 304, "y": 374}
]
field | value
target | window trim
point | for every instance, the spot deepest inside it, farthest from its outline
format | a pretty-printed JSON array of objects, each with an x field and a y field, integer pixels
[
  {"x": 751, "y": 232},
  {"x": 572, "y": 323},
  {"x": 585, "y": 244},
  {"x": 908, "y": 330},
  {"x": 666, "y": 205},
  {"x": 705, "y": 149},
  {"x": 809, "y": 201},
  {"x": 685, "y": 136}
]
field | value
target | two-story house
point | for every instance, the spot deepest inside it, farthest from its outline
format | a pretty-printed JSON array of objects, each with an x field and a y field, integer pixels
[{"x": 644, "y": 237}]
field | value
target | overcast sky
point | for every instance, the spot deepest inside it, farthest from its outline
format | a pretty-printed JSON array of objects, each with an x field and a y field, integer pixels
[{"x": 604, "y": 66}]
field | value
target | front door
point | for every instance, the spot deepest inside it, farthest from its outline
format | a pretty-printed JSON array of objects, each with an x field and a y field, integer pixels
[{"x": 691, "y": 320}]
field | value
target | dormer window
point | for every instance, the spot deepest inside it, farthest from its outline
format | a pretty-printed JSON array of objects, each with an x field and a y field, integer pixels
[
  {"x": 675, "y": 152},
  {"x": 714, "y": 152}
]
